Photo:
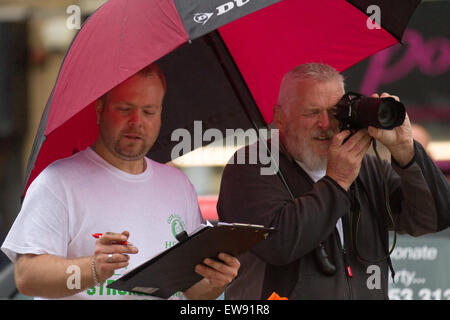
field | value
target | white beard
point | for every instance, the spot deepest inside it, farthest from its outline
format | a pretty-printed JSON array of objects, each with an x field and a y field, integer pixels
[
  {"x": 313, "y": 162},
  {"x": 302, "y": 152}
]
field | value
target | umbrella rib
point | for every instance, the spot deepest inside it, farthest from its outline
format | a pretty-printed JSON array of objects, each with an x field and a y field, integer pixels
[
  {"x": 228, "y": 64},
  {"x": 224, "y": 58}
]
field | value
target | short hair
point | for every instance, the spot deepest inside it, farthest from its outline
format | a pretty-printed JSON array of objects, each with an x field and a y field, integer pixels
[
  {"x": 148, "y": 71},
  {"x": 319, "y": 72}
]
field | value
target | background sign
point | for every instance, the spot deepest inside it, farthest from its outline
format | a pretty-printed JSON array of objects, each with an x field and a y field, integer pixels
[{"x": 422, "y": 270}]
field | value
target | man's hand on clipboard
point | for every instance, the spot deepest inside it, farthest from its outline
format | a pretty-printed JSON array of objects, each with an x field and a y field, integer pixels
[{"x": 217, "y": 274}]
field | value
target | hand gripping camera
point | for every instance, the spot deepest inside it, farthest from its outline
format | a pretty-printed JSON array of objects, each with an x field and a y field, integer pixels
[{"x": 356, "y": 111}]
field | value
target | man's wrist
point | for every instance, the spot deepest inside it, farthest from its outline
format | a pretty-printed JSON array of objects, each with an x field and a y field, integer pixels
[
  {"x": 344, "y": 185},
  {"x": 404, "y": 154},
  {"x": 94, "y": 272}
]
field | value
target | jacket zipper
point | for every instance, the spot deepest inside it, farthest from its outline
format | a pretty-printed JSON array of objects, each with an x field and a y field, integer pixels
[
  {"x": 347, "y": 268},
  {"x": 348, "y": 273}
]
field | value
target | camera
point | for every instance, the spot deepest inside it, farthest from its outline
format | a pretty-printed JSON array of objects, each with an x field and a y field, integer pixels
[{"x": 356, "y": 111}]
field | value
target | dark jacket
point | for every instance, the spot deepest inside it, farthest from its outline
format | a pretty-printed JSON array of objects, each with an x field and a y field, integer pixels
[{"x": 286, "y": 263}]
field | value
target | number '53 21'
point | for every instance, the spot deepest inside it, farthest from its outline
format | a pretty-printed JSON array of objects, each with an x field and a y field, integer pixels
[{"x": 422, "y": 294}]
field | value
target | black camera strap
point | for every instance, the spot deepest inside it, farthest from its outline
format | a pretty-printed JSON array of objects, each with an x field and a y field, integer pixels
[
  {"x": 381, "y": 223},
  {"x": 381, "y": 226}
]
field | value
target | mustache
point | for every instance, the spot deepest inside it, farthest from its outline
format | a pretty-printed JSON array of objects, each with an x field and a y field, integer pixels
[
  {"x": 133, "y": 131},
  {"x": 329, "y": 134}
]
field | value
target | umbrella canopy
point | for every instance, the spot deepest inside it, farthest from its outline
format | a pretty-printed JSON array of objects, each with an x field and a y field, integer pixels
[
  {"x": 294, "y": 32},
  {"x": 227, "y": 78}
]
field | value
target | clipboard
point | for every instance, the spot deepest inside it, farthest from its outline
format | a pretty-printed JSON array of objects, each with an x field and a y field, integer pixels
[{"x": 173, "y": 270}]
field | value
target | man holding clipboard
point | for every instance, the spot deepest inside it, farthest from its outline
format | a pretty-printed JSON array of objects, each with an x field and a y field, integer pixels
[{"x": 110, "y": 186}]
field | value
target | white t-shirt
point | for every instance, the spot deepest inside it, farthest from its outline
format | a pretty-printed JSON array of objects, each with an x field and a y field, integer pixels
[
  {"x": 81, "y": 195},
  {"x": 316, "y": 175}
]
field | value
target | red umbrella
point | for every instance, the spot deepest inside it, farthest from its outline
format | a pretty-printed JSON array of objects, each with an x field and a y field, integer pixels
[
  {"x": 211, "y": 75},
  {"x": 293, "y": 32}
]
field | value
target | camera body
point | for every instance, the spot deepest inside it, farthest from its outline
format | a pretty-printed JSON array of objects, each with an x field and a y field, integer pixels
[{"x": 356, "y": 111}]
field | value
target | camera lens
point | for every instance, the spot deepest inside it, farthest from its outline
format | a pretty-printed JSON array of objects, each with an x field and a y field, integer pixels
[
  {"x": 386, "y": 115},
  {"x": 355, "y": 111},
  {"x": 390, "y": 113}
]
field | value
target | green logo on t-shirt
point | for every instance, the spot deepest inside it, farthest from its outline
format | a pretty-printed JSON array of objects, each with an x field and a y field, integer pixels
[{"x": 176, "y": 224}]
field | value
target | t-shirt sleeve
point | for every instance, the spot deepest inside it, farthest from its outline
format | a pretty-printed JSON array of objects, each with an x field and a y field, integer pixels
[
  {"x": 192, "y": 208},
  {"x": 41, "y": 226}
]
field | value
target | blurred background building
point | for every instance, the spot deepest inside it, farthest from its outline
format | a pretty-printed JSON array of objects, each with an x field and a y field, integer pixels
[{"x": 35, "y": 34}]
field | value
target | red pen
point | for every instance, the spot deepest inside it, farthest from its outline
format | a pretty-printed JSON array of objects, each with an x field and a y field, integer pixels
[{"x": 125, "y": 243}]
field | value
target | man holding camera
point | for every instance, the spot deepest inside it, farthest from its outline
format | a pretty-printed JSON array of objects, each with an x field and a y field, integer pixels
[{"x": 329, "y": 209}]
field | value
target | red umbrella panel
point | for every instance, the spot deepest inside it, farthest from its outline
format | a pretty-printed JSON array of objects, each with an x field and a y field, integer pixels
[
  {"x": 294, "y": 32},
  {"x": 226, "y": 79},
  {"x": 118, "y": 40}
]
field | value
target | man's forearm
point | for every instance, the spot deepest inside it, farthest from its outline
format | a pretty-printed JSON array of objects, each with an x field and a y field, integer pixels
[{"x": 48, "y": 276}]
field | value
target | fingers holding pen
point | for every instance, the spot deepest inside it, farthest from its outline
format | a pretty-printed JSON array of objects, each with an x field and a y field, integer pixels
[
  {"x": 116, "y": 242},
  {"x": 115, "y": 248},
  {"x": 111, "y": 253},
  {"x": 112, "y": 237}
]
